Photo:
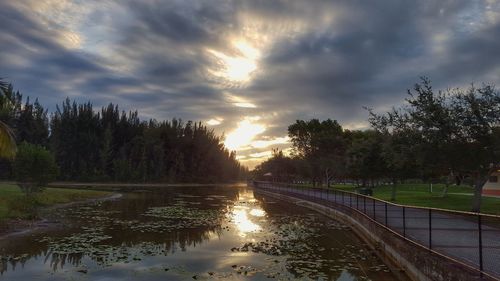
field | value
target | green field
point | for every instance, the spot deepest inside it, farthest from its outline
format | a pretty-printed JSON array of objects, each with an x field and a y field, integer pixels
[
  {"x": 14, "y": 204},
  {"x": 459, "y": 197}
]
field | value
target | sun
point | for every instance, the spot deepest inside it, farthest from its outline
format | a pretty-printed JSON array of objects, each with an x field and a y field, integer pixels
[
  {"x": 243, "y": 135},
  {"x": 239, "y": 67}
]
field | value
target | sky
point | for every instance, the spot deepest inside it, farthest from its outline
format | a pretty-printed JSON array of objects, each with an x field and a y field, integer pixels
[{"x": 247, "y": 69}]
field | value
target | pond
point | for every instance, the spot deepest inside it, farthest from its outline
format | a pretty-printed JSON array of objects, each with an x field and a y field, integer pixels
[{"x": 190, "y": 233}]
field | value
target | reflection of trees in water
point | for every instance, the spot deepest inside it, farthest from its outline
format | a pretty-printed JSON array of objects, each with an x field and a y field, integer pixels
[
  {"x": 133, "y": 250},
  {"x": 58, "y": 261},
  {"x": 126, "y": 243},
  {"x": 16, "y": 261}
]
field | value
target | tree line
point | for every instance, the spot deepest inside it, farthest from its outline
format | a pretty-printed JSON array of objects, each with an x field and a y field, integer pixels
[
  {"x": 449, "y": 136},
  {"x": 108, "y": 144}
]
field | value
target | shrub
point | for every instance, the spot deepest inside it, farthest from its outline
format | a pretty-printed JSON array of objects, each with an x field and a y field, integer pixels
[{"x": 34, "y": 168}]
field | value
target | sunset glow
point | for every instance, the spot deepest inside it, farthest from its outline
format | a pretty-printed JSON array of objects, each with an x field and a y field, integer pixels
[
  {"x": 243, "y": 222},
  {"x": 245, "y": 218},
  {"x": 218, "y": 62},
  {"x": 239, "y": 101},
  {"x": 244, "y": 134},
  {"x": 215, "y": 121},
  {"x": 237, "y": 67}
]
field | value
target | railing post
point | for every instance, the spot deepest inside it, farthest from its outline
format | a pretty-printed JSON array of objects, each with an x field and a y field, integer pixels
[
  {"x": 430, "y": 228},
  {"x": 342, "y": 197},
  {"x": 357, "y": 201},
  {"x": 386, "y": 214},
  {"x": 350, "y": 200},
  {"x": 364, "y": 205},
  {"x": 374, "y": 216},
  {"x": 404, "y": 221},
  {"x": 480, "y": 232}
]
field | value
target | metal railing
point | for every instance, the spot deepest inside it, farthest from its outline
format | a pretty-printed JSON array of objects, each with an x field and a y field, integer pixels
[{"x": 472, "y": 239}]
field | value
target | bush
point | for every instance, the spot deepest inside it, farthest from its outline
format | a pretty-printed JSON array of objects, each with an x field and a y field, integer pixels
[
  {"x": 34, "y": 168},
  {"x": 24, "y": 207}
]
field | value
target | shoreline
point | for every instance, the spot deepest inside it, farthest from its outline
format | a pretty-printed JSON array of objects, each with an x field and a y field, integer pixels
[
  {"x": 130, "y": 185},
  {"x": 19, "y": 227}
]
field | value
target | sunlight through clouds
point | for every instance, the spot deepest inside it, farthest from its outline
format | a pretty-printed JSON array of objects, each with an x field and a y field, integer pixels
[
  {"x": 215, "y": 121},
  {"x": 262, "y": 154},
  {"x": 244, "y": 133},
  {"x": 239, "y": 101},
  {"x": 267, "y": 143},
  {"x": 253, "y": 159},
  {"x": 221, "y": 61},
  {"x": 236, "y": 68}
]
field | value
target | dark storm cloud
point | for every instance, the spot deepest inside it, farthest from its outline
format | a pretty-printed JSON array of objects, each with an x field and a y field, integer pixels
[
  {"x": 184, "y": 24},
  {"x": 473, "y": 57},
  {"x": 44, "y": 63},
  {"x": 15, "y": 25},
  {"x": 351, "y": 65},
  {"x": 322, "y": 59}
]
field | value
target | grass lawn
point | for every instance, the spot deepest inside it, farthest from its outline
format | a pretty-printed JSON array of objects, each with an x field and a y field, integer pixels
[
  {"x": 14, "y": 204},
  {"x": 459, "y": 197}
]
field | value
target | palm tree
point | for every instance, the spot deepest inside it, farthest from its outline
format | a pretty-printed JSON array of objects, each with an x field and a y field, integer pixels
[{"x": 7, "y": 141}]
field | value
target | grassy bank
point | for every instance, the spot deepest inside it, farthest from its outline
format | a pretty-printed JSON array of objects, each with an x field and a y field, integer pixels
[
  {"x": 459, "y": 197},
  {"x": 14, "y": 204}
]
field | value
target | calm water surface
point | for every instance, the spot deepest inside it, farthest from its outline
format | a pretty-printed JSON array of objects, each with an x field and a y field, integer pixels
[{"x": 187, "y": 233}]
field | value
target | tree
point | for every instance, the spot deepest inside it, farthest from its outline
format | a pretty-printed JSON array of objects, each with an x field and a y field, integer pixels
[
  {"x": 7, "y": 140},
  {"x": 426, "y": 128},
  {"x": 399, "y": 156},
  {"x": 452, "y": 134},
  {"x": 34, "y": 168},
  {"x": 477, "y": 112},
  {"x": 109, "y": 144},
  {"x": 322, "y": 145},
  {"x": 20, "y": 122},
  {"x": 366, "y": 161},
  {"x": 281, "y": 167}
]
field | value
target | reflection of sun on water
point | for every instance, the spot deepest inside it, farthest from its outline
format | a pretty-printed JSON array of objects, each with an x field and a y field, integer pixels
[
  {"x": 257, "y": 213},
  {"x": 241, "y": 215},
  {"x": 243, "y": 223}
]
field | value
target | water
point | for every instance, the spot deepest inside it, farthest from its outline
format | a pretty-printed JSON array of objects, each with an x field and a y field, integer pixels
[{"x": 188, "y": 233}]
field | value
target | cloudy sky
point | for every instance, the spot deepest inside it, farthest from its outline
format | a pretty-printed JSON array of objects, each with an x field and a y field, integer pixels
[{"x": 246, "y": 68}]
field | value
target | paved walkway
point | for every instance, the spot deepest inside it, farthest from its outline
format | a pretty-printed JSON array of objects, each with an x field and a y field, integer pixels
[{"x": 452, "y": 234}]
